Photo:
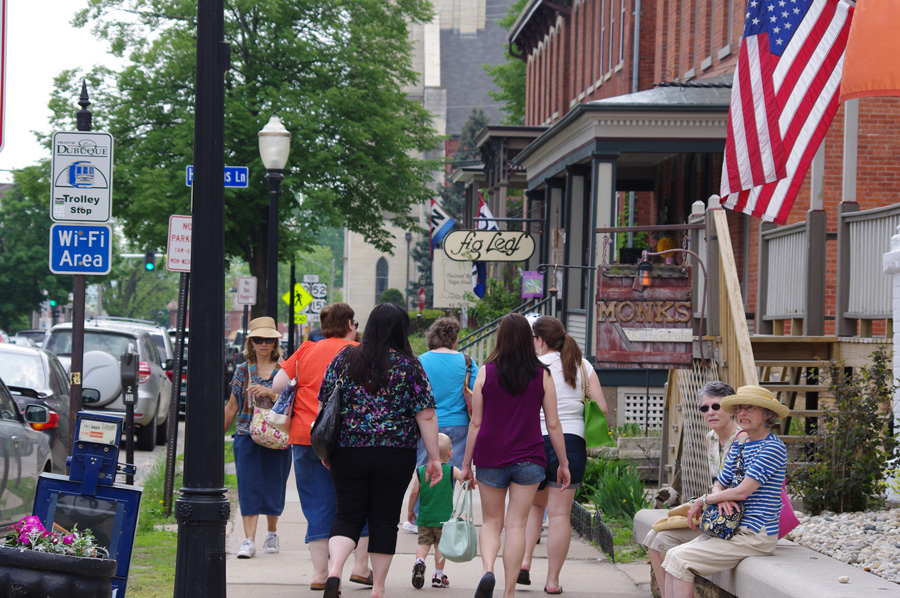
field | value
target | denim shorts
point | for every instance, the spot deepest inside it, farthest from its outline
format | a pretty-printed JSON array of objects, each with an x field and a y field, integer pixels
[
  {"x": 576, "y": 451},
  {"x": 523, "y": 474}
]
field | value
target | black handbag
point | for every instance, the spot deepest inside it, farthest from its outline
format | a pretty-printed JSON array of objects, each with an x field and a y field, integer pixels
[
  {"x": 327, "y": 428},
  {"x": 716, "y": 524}
]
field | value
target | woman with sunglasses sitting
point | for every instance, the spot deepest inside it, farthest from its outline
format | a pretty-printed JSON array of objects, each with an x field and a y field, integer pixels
[
  {"x": 262, "y": 472},
  {"x": 723, "y": 431}
]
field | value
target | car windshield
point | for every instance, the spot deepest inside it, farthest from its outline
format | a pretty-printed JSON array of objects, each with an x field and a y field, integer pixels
[
  {"x": 22, "y": 370},
  {"x": 60, "y": 342}
]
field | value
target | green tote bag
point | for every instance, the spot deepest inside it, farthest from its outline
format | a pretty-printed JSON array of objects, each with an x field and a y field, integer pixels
[{"x": 596, "y": 428}]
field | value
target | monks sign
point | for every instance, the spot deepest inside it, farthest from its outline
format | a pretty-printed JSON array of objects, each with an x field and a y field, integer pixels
[
  {"x": 488, "y": 246},
  {"x": 651, "y": 328}
]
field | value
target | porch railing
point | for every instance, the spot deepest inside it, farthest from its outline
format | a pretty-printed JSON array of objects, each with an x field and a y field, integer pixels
[
  {"x": 863, "y": 290},
  {"x": 480, "y": 342}
]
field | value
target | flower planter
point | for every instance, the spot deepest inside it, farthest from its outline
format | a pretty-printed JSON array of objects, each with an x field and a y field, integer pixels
[{"x": 28, "y": 573}]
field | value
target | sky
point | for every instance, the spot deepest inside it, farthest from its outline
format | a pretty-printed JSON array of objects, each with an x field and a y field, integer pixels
[{"x": 40, "y": 43}]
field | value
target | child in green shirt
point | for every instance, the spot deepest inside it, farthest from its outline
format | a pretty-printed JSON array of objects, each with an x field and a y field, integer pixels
[{"x": 435, "y": 507}]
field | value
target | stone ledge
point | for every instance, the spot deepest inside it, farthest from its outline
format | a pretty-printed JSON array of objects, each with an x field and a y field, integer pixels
[{"x": 793, "y": 571}]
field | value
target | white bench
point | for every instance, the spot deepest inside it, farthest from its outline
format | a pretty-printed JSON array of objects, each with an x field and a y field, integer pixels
[{"x": 793, "y": 571}]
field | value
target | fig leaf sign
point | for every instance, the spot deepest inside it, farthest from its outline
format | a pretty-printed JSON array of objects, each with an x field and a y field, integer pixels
[{"x": 488, "y": 246}]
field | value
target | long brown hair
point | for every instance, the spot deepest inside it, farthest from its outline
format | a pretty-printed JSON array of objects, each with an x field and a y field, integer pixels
[
  {"x": 553, "y": 333},
  {"x": 514, "y": 355}
]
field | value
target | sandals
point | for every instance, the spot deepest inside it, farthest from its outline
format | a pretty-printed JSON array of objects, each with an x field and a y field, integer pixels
[
  {"x": 332, "y": 588},
  {"x": 554, "y": 592},
  {"x": 485, "y": 587},
  {"x": 366, "y": 581},
  {"x": 524, "y": 578}
]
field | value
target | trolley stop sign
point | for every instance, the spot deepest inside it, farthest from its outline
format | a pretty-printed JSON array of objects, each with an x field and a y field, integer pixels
[{"x": 80, "y": 248}]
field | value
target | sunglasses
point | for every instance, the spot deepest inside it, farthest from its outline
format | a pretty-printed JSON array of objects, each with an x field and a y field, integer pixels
[
  {"x": 261, "y": 341},
  {"x": 714, "y": 406},
  {"x": 355, "y": 324}
]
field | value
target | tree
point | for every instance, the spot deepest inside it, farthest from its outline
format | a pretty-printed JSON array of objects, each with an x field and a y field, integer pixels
[
  {"x": 25, "y": 250},
  {"x": 509, "y": 76},
  {"x": 335, "y": 71},
  {"x": 132, "y": 292},
  {"x": 467, "y": 151}
]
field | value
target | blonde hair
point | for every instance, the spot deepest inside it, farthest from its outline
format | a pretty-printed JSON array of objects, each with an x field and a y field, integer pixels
[{"x": 444, "y": 447}]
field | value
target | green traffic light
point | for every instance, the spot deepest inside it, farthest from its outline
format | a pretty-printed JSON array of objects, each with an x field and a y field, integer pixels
[
  {"x": 150, "y": 266},
  {"x": 53, "y": 303}
]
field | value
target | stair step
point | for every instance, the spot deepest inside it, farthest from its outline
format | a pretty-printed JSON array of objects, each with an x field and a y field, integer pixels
[
  {"x": 783, "y": 387},
  {"x": 795, "y": 439},
  {"x": 791, "y": 363},
  {"x": 807, "y": 412}
]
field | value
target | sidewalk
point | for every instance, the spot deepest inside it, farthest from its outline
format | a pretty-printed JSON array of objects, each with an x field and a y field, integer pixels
[{"x": 587, "y": 571}]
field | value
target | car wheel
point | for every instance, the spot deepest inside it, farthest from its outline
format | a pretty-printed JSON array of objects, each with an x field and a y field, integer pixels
[
  {"x": 162, "y": 433},
  {"x": 146, "y": 436}
]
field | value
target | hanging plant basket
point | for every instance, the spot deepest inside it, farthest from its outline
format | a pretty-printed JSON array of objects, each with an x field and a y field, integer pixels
[{"x": 29, "y": 573}]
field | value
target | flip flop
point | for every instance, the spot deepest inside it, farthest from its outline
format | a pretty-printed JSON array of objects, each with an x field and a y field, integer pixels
[
  {"x": 524, "y": 578},
  {"x": 557, "y": 591},
  {"x": 485, "y": 587},
  {"x": 366, "y": 581},
  {"x": 332, "y": 588},
  {"x": 317, "y": 587}
]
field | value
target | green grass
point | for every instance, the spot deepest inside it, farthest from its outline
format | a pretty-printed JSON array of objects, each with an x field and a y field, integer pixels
[
  {"x": 152, "y": 571},
  {"x": 627, "y": 550}
]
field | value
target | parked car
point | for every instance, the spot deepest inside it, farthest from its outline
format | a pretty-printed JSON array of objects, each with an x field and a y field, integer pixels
[
  {"x": 35, "y": 336},
  {"x": 24, "y": 456},
  {"x": 36, "y": 377},
  {"x": 4, "y": 338},
  {"x": 21, "y": 341},
  {"x": 104, "y": 343}
]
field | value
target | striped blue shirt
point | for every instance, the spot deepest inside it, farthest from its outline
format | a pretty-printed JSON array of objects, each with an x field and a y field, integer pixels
[{"x": 765, "y": 461}]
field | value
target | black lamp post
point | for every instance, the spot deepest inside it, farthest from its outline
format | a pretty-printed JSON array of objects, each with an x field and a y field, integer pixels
[
  {"x": 274, "y": 147},
  {"x": 408, "y": 239}
]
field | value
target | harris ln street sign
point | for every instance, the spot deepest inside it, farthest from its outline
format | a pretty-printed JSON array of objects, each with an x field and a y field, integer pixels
[
  {"x": 81, "y": 176},
  {"x": 235, "y": 176}
]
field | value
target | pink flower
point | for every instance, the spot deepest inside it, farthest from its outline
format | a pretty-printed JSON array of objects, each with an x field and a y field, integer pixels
[
  {"x": 23, "y": 539},
  {"x": 69, "y": 539}
]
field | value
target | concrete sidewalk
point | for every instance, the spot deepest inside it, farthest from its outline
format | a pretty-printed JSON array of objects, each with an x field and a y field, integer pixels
[{"x": 587, "y": 571}]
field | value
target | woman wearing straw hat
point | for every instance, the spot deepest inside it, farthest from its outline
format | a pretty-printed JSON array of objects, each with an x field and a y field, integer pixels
[
  {"x": 723, "y": 431},
  {"x": 262, "y": 472},
  {"x": 765, "y": 458}
]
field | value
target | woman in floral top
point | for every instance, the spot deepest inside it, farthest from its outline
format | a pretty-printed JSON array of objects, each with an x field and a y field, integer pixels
[{"x": 386, "y": 404}]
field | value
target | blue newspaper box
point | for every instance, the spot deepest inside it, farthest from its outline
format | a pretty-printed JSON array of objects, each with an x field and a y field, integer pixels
[{"x": 90, "y": 496}]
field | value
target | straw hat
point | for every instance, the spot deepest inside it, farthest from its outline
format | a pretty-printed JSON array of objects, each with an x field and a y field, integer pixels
[
  {"x": 263, "y": 328},
  {"x": 755, "y": 395},
  {"x": 681, "y": 510},
  {"x": 676, "y": 522}
]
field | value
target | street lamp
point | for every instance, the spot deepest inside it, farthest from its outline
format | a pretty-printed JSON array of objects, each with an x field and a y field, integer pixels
[
  {"x": 408, "y": 239},
  {"x": 274, "y": 147}
]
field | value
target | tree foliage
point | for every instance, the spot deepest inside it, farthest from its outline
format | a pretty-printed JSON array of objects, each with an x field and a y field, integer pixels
[
  {"x": 509, "y": 76},
  {"x": 335, "y": 71},
  {"x": 25, "y": 250},
  {"x": 130, "y": 291}
]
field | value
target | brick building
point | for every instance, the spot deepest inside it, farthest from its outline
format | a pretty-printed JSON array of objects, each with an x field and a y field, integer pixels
[{"x": 647, "y": 121}]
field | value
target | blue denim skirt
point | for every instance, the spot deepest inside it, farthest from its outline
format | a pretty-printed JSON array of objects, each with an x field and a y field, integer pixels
[{"x": 262, "y": 475}]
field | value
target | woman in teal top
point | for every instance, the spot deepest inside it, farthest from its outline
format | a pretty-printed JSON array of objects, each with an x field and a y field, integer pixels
[{"x": 446, "y": 371}]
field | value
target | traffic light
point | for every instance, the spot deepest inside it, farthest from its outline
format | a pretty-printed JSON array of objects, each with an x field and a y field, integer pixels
[
  {"x": 53, "y": 303},
  {"x": 150, "y": 260}
]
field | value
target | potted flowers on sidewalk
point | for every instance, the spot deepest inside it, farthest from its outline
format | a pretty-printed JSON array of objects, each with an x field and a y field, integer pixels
[{"x": 54, "y": 563}]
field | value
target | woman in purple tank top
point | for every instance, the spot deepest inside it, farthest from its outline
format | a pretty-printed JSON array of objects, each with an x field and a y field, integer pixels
[{"x": 506, "y": 446}]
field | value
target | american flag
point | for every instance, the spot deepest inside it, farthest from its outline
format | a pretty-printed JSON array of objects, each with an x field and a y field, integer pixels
[{"x": 783, "y": 99}]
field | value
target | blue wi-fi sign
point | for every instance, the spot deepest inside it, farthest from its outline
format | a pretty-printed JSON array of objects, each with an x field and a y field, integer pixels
[
  {"x": 235, "y": 176},
  {"x": 80, "y": 248}
]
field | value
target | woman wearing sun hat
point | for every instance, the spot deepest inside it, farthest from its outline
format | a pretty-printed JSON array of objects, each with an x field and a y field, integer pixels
[
  {"x": 765, "y": 459},
  {"x": 262, "y": 472}
]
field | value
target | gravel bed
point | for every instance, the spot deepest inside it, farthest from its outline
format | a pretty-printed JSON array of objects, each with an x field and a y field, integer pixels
[{"x": 868, "y": 540}]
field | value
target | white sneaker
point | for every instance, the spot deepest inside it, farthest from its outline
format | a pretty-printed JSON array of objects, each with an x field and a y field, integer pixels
[
  {"x": 271, "y": 544},
  {"x": 410, "y": 527},
  {"x": 248, "y": 549}
]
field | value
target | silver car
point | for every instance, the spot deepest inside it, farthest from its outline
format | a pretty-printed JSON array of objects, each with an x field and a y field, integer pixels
[
  {"x": 104, "y": 343},
  {"x": 24, "y": 456}
]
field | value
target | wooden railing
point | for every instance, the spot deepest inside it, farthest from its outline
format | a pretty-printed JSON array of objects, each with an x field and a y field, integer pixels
[{"x": 729, "y": 358}]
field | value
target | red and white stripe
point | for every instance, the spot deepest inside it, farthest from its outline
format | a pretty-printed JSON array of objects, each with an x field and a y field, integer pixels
[{"x": 805, "y": 82}]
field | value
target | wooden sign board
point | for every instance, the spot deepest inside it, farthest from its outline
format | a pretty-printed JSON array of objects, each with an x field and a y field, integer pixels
[{"x": 651, "y": 328}]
